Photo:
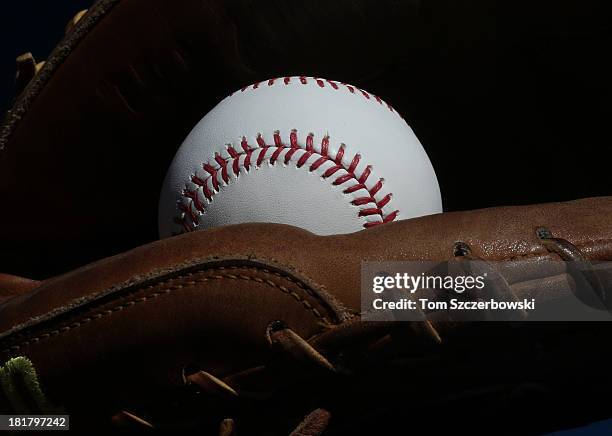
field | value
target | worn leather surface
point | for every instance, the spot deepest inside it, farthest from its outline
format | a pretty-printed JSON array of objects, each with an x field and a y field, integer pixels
[
  {"x": 13, "y": 285},
  {"x": 333, "y": 262},
  {"x": 205, "y": 298}
]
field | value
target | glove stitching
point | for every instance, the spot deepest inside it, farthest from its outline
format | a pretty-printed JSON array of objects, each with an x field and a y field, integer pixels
[{"x": 125, "y": 305}]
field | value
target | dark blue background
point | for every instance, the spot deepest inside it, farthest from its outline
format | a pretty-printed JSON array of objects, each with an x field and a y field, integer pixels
[{"x": 30, "y": 26}]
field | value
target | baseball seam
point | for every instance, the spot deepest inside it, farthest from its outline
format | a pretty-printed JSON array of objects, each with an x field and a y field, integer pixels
[
  {"x": 321, "y": 83},
  {"x": 201, "y": 189}
]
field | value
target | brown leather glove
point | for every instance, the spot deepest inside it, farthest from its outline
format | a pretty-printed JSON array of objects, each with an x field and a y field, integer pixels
[{"x": 258, "y": 325}]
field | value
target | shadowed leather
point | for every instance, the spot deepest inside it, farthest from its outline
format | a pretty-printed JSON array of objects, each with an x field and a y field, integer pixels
[{"x": 220, "y": 288}]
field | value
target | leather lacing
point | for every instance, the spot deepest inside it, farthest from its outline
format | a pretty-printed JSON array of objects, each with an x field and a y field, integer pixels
[
  {"x": 575, "y": 258},
  {"x": 372, "y": 338},
  {"x": 26, "y": 65},
  {"x": 287, "y": 345},
  {"x": 351, "y": 347},
  {"x": 578, "y": 266},
  {"x": 498, "y": 288}
]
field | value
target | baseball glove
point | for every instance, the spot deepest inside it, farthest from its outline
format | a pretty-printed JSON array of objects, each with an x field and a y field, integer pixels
[
  {"x": 257, "y": 329},
  {"x": 254, "y": 327}
]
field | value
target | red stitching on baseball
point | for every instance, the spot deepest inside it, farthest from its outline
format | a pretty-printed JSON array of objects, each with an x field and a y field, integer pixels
[
  {"x": 189, "y": 218},
  {"x": 293, "y": 139},
  {"x": 333, "y": 84},
  {"x": 321, "y": 83},
  {"x": 309, "y": 142}
]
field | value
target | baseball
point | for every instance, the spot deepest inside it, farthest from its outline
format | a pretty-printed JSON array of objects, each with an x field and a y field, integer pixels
[{"x": 313, "y": 153}]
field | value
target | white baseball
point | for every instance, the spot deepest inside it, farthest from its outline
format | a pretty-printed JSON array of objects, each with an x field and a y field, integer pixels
[{"x": 313, "y": 153}]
